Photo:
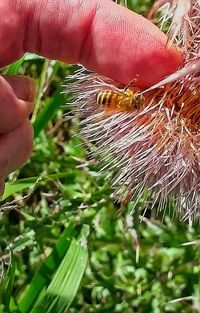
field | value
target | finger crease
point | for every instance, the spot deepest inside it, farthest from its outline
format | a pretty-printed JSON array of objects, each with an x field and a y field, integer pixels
[{"x": 86, "y": 47}]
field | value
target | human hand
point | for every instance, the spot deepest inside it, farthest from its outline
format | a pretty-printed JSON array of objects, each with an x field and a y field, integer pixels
[{"x": 101, "y": 35}]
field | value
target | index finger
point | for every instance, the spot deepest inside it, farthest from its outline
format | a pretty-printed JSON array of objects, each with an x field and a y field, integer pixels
[{"x": 103, "y": 36}]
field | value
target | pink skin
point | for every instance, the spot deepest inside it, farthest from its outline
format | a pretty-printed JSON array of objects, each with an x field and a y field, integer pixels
[{"x": 101, "y": 35}]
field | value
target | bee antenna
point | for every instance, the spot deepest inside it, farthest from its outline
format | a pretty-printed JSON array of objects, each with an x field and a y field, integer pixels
[{"x": 131, "y": 83}]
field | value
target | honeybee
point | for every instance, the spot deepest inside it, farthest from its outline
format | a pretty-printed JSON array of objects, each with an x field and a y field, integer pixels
[{"x": 120, "y": 101}]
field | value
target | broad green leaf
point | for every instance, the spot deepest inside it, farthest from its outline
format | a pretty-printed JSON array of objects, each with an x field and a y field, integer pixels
[
  {"x": 17, "y": 186},
  {"x": 13, "y": 69},
  {"x": 21, "y": 184},
  {"x": 32, "y": 56}
]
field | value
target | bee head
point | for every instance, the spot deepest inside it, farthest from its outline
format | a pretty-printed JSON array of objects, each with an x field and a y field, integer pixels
[{"x": 139, "y": 100}]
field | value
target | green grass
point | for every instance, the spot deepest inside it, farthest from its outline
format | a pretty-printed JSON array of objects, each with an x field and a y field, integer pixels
[{"x": 66, "y": 245}]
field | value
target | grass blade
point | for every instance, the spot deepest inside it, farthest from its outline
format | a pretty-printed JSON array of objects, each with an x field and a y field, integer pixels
[
  {"x": 43, "y": 276},
  {"x": 49, "y": 111},
  {"x": 7, "y": 284},
  {"x": 64, "y": 286}
]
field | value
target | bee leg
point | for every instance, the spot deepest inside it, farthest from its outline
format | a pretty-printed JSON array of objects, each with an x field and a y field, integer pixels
[{"x": 132, "y": 83}]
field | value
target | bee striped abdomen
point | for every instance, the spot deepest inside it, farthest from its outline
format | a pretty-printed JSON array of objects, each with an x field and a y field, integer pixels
[
  {"x": 106, "y": 97},
  {"x": 114, "y": 100}
]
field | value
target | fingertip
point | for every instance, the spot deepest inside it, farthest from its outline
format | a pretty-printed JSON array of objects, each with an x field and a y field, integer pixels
[
  {"x": 13, "y": 111},
  {"x": 16, "y": 148},
  {"x": 23, "y": 86},
  {"x": 176, "y": 54},
  {"x": 124, "y": 45},
  {"x": 158, "y": 64}
]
